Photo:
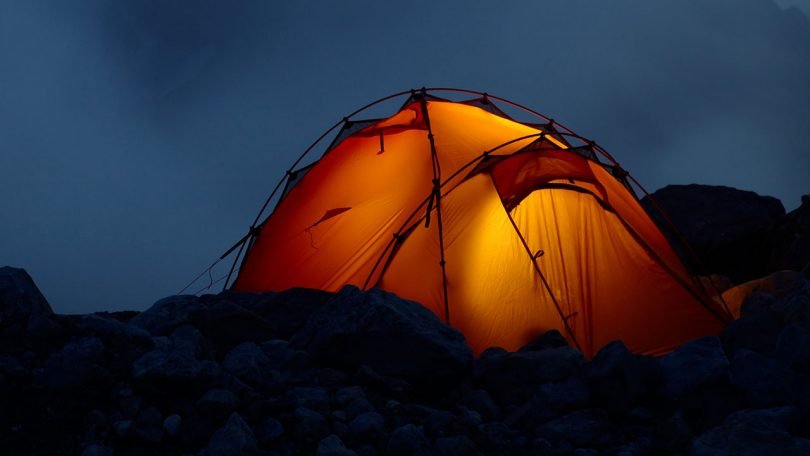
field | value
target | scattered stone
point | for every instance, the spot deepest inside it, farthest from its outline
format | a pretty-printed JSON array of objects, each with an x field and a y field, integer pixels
[
  {"x": 393, "y": 336},
  {"x": 248, "y": 362},
  {"x": 510, "y": 376},
  {"x": 753, "y": 432},
  {"x": 20, "y": 298},
  {"x": 171, "y": 425},
  {"x": 549, "y": 339},
  {"x": 268, "y": 431},
  {"x": 232, "y": 439},
  {"x": 407, "y": 440},
  {"x": 366, "y": 428},
  {"x": 583, "y": 428},
  {"x": 333, "y": 446},
  {"x": 73, "y": 365},
  {"x": 694, "y": 363},
  {"x": 218, "y": 402},
  {"x": 457, "y": 445}
]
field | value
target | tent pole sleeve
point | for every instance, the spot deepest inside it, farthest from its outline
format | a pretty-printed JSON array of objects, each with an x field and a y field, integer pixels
[{"x": 437, "y": 192}]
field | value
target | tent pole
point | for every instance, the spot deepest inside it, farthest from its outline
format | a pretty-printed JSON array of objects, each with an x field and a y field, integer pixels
[
  {"x": 543, "y": 279},
  {"x": 437, "y": 194}
]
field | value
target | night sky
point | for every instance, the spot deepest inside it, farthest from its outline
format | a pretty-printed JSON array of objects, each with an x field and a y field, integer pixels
[{"x": 139, "y": 138}]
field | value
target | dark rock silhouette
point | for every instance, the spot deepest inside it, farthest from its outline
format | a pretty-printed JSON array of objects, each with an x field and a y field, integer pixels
[
  {"x": 365, "y": 372},
  {"x": 731, "y": 231}
]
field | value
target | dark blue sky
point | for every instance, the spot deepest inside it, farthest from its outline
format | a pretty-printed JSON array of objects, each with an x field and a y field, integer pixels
[{"x": 139, "y": 138}]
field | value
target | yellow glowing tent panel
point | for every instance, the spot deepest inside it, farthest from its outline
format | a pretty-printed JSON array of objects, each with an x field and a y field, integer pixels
[{"x": 503, "y": 229}]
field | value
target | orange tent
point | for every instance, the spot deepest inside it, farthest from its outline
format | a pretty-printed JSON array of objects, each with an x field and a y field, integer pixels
[{"x": 504, "y": 229}]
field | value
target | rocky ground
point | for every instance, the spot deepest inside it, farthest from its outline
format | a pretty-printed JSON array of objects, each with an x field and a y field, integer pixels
[{"x": 310, "y": 372}]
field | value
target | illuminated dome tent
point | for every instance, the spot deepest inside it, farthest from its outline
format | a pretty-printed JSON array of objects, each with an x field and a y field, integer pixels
[{"x": 504, "y": 229}]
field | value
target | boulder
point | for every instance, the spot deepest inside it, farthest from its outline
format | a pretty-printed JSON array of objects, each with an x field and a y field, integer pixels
[
  {"x": 309, "y": 426},
  {"x": 218, "y": 402},
  {"x": 73, "y": 365},
  {"x": 110, "y": 329},
  {"x": 171, "y": 424},
  {"x": 730, "y": 230},
  {"x": 765, "y": 381},
  {"x": 753, "y": 432},
  {"x": 269, "y": 430},
  {"x": 393, "y": 336},
  {"x": 617, "y": 378},
  {"x": 168, "y": 313},
  {"x": 757, "y": 332},
  {"x": 777, "y": 284},
  {"x": 583, "y": 428},
  {"x": 249, "y": 363},
  {"x": 333, "y": 446},
  {"x": 792, "y": 247},
  {"x": 365, "y": 428},
  {"x": 694, "y": 363},
  {"x": 793, "y": 346},
  {"x": 172, "y": 363},
  {"x": 408, "y": 440},
  {"x": 20, "y": 298},
  {"x": 457, "y": 445},
  {"x": 549, "y": 339},
  {"x": 234, "y": 438},
  {"x": 511, "y": 377}
]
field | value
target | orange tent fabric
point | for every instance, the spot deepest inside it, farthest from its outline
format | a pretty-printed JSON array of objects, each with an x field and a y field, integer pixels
[{"x": 502, "y": 229}]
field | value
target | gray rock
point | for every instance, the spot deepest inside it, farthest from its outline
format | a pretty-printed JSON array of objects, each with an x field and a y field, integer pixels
[
  {"x": 554, "y": 399},
  {"x": 122, "y": 427},
  {"x": 729, "y": 229},
  {"x": 20, "y": 298},
  {"x": 457, "y": 445},
  {"x": 347, "y": 394},
  {"x": 407, "y": 440},
  {"x": 232, "y": 439},
  {"x": 187, "y": 338},
  {"x": 510, "y": 377},
  {"x": 794, "y": 307},
  {"x": 758, "y": 333},
  {"x": 393, "y": 336},
  {"x": 366, "y": 428},
  {"x": 358, "y": 407},
  {"x": 168, "y": 313},
  {"x": 97, "y": 450},
  {"x": 333, "y": 446},
  {"x": 615, "y": 377},
  {"x": 793, "y": 346},
  {"x": 753, "y": 432},
  {"x": 248, "y": 362},
  {"x": 167, "y": 363},
  {"x": 311, "y": 397},
  {"x": 766, "y": 381},
  {"x": 269, "y": 430},
  {"x": 583, "y": 428},
  {"x": 693, "y": 364},
  {"x": 109, "y": 328},
  {"x": 73, "y": 365},
  {"x": 218, "y": 402},
  {"x": 309, "y": 425},
  {"x": 171, "y": 425},
  {"x": 549, "y": 339},
  {"x": 480, "y": 401},
  {"x": 148, "y": 426}
]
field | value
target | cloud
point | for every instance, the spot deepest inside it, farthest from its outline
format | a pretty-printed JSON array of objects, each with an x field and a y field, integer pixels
[{"x": 140, "y": 138}]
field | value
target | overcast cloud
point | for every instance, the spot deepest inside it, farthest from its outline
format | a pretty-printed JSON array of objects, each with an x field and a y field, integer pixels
[{"x": 139, "y": 138}]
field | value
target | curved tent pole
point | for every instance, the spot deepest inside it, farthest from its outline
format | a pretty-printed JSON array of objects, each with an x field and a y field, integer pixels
[{"x": 597, "y": 148}]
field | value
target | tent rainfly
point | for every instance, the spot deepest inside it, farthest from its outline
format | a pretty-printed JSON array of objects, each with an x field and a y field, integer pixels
[{"x": 504, "y": 229}]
